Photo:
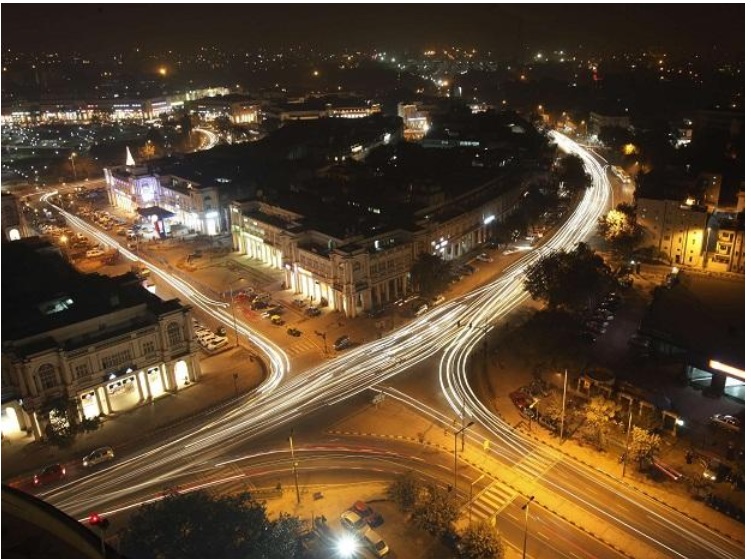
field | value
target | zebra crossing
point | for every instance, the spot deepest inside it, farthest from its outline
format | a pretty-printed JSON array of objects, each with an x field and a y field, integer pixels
[
  {"x": 491, "y": 500},
  {"x": 304, "y": 346},
  {"x": 536, "y": 464}
]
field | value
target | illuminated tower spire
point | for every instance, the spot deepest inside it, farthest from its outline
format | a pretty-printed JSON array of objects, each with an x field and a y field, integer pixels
[{"x": 129, "y": 161}]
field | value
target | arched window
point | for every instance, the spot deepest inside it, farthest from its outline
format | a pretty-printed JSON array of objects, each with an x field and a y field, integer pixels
[
  {"x": 47, "y": 377},
  {"x": 173, "y": 333}
]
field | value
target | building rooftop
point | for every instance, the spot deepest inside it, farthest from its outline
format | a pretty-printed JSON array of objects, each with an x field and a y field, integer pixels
[{"x": 46, "y": 293}]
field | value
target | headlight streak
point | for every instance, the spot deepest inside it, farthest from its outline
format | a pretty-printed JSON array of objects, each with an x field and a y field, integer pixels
[{"x": 453, "y": 367}]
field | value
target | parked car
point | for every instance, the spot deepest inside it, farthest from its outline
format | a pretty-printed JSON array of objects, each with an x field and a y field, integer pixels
[
  {"x": 98, "y": 456},
  {"x": 729, "y": 422},
  {"x": 312, "y": 311},
  {"x": 374, "y": 542},
  {"x": 94, "y": 253},
  {"x": 483, "y": 258},
  {"x": 365, "y": 511},
  {"x": 438, "y": 300},
  {"x": 49, "y": 474},
  {"x": 276, "y": 320},
  {"x": 294, "y": 332},
  {"x": 421, "y": 310},
  {"x": 352, "y": 522},
  {"x": 258, "y": 305},
  {"x": 216, "y": 344},
  {"x": 342, "y": 342}
]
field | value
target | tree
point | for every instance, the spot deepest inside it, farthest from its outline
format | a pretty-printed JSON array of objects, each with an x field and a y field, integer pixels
[
  {"x": 404, "y": 490},
  {"x": 644, "y": 445},
  {"x": 436, "y": 511},
  {"x": 619, "y": 228},
  {"x": 568, "y": 279},
  {"x": 61, "y": 428},
  {"x": 198, "y": 525},
  {"x": 598, "y": 415},
  {"x": 430, "y": 274},
  {"x": 481, "y": 541},
  {"x": 571, "y": 171}
]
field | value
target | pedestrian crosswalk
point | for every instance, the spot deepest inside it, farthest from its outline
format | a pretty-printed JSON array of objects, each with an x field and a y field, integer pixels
[
  {"x": 490, "y": 501},
  {"x": 536, "y": 463},
  {"x": 303, "y": 346}
]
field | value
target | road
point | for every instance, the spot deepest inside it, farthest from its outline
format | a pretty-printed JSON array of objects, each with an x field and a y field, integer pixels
[{"x": 287, "y": 398}]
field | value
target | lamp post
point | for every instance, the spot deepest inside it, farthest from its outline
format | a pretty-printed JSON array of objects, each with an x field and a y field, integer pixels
[
  {"x": 563, "y": 410},
  {"x": 525, "y": 508},
  {"x": 73, "y": 156},
  {"x": 294, "y": 464},
  {"x": 628, "y": 436},
  {"x": 456, "y": 459},
  {"x": 232, "y": 308}
]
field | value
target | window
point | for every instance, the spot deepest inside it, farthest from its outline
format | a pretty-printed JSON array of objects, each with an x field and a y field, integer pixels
[
  {"x": 149, "y": 347},
  {"x": 47, "y": 376},
  {"x": 173, "y": 333},
  {"x": 666, "y": 238},
  {"x": 81, "y": 370},
  {"x": 116, "y": 359}
]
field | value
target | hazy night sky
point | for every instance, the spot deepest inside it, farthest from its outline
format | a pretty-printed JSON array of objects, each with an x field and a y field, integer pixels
[{"x": 500, "y": 27}]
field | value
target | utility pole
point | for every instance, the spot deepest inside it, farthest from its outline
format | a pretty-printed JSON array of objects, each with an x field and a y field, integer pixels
[{"x": 294, "y": 464}]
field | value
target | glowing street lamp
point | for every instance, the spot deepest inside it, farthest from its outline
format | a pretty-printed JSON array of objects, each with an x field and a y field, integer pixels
[{"x": 346, "y": 546}]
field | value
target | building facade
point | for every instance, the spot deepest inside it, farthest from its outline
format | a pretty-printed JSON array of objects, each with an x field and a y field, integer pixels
[
  {"x": 193, "y": 205},
  {"x": 355, "y": 273},
  {"x": 103, "y": 345},
  {"x": 676, "y": 229}
]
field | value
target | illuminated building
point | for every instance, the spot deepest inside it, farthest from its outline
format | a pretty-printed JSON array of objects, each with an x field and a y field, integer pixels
[
  {"x": 598, "y": 121},
  {"x": 13, "y": 223},
  {"x": 103, "y": 344},
  {"x": 676, "y": 229}
]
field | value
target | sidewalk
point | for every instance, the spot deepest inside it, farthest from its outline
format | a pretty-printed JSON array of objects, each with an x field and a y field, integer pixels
[{"x": 23, "y": 456}]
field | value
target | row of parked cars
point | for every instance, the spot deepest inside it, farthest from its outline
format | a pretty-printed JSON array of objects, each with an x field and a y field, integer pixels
[
  {"x": 597, "y": 321},
  {"x": 208, "y": 339},
  {"x": 360, "y": 520}
]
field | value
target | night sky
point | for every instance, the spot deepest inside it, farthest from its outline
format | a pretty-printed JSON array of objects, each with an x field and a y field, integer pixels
[{"x": 499, "y": 27}]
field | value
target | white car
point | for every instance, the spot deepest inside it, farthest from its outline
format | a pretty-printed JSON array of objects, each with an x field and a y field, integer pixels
[
  {"x": 375, "y": 542},
  {"x": 94, "y": 253},
  {"x": 98, "y": 456},
  {"x": 217, "y": 344},
  {"x": 484, "y": 258},
  {"x": 353, "y": 523},
  {"x": 727, "y": 421}
]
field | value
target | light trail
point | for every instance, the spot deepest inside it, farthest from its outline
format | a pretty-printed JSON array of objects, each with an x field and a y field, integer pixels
[{"x": 357, "y": 370}]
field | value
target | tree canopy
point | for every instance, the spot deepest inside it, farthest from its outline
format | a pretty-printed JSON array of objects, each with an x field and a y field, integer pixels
[
  {"x": 571, "y": 171},
  {"x": 598, "y": 415},
  {"x": 619, "y": 228},
  {"x": 430, "y": 274},
  {"x": 568, "y": 279},
  {"x": 644, "y": 445},
  {"x": 481, "y": 541},
  {"x": 198, "y": 525},
  {"x": 436, "y": 510}
]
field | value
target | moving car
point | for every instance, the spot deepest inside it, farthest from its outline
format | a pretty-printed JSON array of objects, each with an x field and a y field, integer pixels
[
  {"x": 98, "y": 456},
  {"x": 50, "y": 474},
  {"x": 729, "y": 422}
]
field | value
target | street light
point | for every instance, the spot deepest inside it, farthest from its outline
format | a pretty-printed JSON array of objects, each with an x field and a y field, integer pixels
[
  {"x": 525, "y": 508},
  {"x": 73, "y": 156},
  {"x": 294, "y": 464},
  {"x": 456, "y": 459},
  {"x": 628, "y": 435},
  {"x": 563, "y": 411},
  {"x": 232, "y": 308}
]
